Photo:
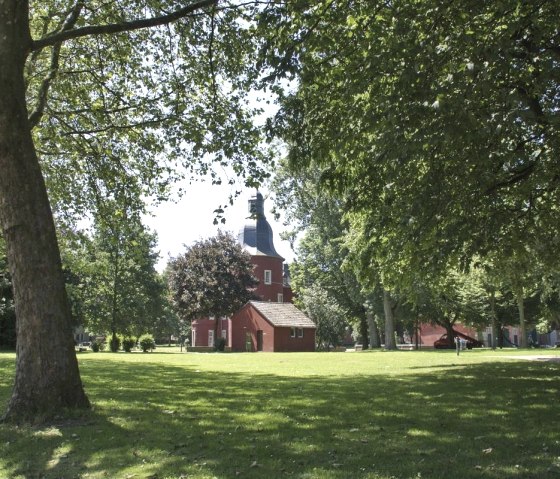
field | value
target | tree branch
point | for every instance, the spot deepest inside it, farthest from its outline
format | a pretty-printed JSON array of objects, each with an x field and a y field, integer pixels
[
  {"x": 43, "y": 93},
  {"x": 516, "y": 177},
  {"x": 121, "y": 27}
]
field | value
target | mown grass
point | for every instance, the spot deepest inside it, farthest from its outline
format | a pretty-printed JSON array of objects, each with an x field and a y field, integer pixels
[{"x": 370, "y": 415}]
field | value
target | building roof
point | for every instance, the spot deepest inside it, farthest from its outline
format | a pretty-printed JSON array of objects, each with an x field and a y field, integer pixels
[
  {"x": 283, "y": 314},
  {"x": 256, "y": 236}
]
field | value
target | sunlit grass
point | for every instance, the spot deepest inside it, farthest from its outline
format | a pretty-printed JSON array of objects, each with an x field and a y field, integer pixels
[{"x": 371, "y": 415}]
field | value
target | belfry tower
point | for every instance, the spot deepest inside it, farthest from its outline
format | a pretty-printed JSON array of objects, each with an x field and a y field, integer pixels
[{"x": 257, "y": 238}]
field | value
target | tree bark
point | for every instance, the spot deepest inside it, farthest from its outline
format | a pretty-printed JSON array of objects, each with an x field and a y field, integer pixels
[
  {"x": 364, "y": 332},
  {"x": 389, "y": 321},
  {"x": 47, "y": 377},
  {"x": 521, "y": 308},
  {"x": 494, "y": 319},
  {"x": 374, "y": 342},
  {"x": 450, "y": 332}
]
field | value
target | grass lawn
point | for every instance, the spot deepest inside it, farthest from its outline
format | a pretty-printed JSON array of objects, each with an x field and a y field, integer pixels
[{"x": 370, "y": 415}]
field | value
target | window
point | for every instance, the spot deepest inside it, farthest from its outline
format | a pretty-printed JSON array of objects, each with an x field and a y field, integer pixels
[
  {"x": 224, "y": 333},
  {"x": 267, "y": 276},
  {"x": 296, "y": 332},
  {"x": 211, "y": 318},
  {"x": 210, "y": 338},
  {"x": 280, "y": 298}
]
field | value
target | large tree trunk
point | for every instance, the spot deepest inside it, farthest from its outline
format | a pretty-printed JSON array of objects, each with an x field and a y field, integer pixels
[
  {"x": 374, "y": 342},
  {"x": 389, "y": 321},
  {"x": 521, "y": 308},
  {"x": 448, "y": 325},
  {"x": 364, "y": 332},
  {"x": 47, "y": 376},
  {"x": 494, "y": 319}
]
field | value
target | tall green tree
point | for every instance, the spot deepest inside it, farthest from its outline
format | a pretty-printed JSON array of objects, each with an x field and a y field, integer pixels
[
  {"x": 119, "y": 288},
  {"x": 438, "y": 122},
  {"x": 214, "y": 277},
  {"x": 104, "y": 91},
  {"x": 328, "y": 315},
  {"x": 322, "y": 249},
  {"x": 457, "y": 298}
]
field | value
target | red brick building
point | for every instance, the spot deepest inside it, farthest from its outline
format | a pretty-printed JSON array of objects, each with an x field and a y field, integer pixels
[
  {"x": 273, "y": 323},
  {"x": 272, "y": 327}
]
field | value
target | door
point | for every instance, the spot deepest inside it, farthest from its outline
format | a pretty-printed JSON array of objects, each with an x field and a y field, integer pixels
[{"x": 259, "y": 340}]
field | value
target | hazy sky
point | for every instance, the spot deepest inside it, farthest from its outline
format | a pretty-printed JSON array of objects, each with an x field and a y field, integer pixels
[{"x": 191, "y": 219}]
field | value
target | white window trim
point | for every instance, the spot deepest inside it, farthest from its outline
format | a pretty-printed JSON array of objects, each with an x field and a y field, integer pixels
[
  {"x": 210, "y": 338},
  {"x": 300, "y": 332},
  {"x": 280, "y": 297},
  {"x": 293, "y": 333},
  {"x": 267, "y": 276}
]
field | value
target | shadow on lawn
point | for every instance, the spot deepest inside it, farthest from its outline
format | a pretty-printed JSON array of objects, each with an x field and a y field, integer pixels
[{"x": 486, "y": 420}]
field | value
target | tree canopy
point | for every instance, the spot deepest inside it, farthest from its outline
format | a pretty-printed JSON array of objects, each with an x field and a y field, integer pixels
[
  {"x": 214, "y": 277},
  {"x": 438, "y": 121}
]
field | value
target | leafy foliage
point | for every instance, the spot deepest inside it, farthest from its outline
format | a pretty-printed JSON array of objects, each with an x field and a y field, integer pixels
[
  {"x": 147, "y": 343},
  {"x": 437, "y": 121},
  {"x": 133, "y": 112},
  {"x": 128, "y": 344},
  {"x": 213, "y": 277},
  {"x": 329, "y": 317},
  {"x": 322, "y": 250},
  {"x": 119, "y": 289},
  {"x": 97, "y": 345}
]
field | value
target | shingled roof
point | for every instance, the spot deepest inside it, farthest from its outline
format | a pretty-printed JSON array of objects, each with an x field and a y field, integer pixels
[{"x": 283, "y": 314}]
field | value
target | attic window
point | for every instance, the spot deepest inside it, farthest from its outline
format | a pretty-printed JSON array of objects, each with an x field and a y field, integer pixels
[{"x": 267, "y": 276}]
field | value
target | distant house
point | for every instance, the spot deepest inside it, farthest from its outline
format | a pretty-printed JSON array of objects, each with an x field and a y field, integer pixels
[
  {"x": 429, "y": 333},
  {"x": 272, "y": 323},
  {"x": 267, "y": 326}
]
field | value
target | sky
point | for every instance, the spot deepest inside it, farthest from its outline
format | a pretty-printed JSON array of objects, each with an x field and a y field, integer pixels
[{"x": 191, "y": 219}]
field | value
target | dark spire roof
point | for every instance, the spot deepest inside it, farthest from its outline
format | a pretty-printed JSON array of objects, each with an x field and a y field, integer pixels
[{"x": 256, "y": 235}]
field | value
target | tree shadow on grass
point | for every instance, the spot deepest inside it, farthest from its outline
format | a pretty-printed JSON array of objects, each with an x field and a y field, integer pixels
[{"x": 491, "y": 420}]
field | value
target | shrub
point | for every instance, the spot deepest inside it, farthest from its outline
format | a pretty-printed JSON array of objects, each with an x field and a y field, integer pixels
[
  {"x": 97, "y": 345},
  {"x": 147, "y": 342},
  {"x": 128, "y": 343},
  {"x": 220, "y": 344}
]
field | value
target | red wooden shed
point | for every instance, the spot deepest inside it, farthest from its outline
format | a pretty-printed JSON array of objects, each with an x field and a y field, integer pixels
[{"x": 271, "y": 327}]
